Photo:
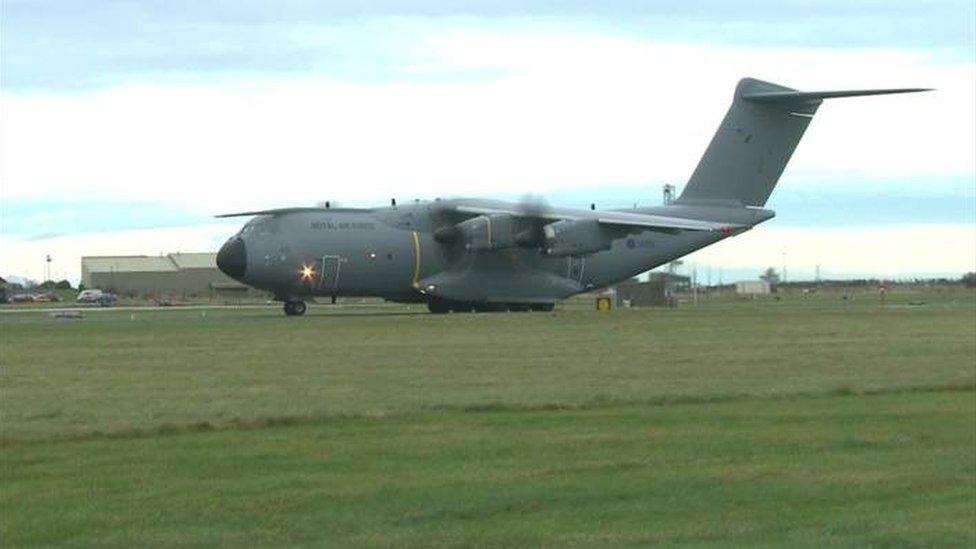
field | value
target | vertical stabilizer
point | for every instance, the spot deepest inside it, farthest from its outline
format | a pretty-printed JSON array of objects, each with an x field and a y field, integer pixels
[{"x": 756, "y": 139}]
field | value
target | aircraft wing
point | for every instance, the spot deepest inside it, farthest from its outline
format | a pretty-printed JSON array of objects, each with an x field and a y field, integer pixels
[
  {"x": 300, "y": 209},
  {"x": 610, "y": 218}
]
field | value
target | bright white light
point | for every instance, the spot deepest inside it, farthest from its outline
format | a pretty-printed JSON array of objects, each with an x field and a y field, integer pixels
[{"x": 307, "y": 273}]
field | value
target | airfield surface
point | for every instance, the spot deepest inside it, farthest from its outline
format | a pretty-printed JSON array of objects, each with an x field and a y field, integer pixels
[{"x": 806, "y": 421}]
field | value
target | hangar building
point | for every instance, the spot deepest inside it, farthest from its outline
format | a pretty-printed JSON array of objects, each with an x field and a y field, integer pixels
[{"x": 182, "y": 275}]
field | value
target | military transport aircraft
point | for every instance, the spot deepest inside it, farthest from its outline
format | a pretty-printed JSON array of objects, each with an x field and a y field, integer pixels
[{"x": 488, "y": 255}]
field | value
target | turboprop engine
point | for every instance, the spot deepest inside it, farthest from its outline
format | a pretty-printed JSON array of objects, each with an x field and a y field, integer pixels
[
  {"x": 488, "y": 232},
  {"x": 576, "y": 237},
  {"x": 501, "y": 231}
]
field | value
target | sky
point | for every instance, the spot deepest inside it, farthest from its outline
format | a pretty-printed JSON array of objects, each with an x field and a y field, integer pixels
[{"x": 125, "y": 126}]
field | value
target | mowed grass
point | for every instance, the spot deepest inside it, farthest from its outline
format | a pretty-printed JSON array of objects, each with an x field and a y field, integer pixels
[
  {"x": 804, "y": 421},
  {"x": 885, "y": 470},
  {"x": 119, "y": 371}
]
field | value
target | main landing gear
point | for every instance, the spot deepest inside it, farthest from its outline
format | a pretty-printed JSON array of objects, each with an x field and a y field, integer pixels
[
  {"x": 441, "y": 306},
  {"x": 295, "y": 308}
]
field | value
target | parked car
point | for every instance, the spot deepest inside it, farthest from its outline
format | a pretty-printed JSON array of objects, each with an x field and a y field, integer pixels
[
  {"x": 106, "y": 299},
  {"x": 47, "y": 297},
  {"x": 22, "y": 298},
  {"x": 88, "y": 296}
]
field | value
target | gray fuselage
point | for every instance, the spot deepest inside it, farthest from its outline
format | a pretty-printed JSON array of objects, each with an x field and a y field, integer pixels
[{"x": 392, "y": 253}]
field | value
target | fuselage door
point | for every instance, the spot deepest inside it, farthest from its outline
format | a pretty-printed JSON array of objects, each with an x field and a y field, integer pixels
[{"x": 331, "y": 267}]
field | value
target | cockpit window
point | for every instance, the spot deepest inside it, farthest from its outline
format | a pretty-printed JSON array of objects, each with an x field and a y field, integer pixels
[{"x": 260, "y": 226}]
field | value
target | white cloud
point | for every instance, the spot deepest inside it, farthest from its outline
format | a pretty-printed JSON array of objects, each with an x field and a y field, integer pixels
[
  {"x": 562, "y": 110},
  {"x": 568, "y": 110},
  {"x": 892, "y": 251}
]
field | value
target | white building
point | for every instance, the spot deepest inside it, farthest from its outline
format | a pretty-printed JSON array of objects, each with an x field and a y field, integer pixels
[{"x": 752, "y": 287}]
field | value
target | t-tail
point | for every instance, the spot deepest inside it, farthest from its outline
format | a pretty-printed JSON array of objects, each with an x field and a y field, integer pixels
[{"x": 755, "y": 141}]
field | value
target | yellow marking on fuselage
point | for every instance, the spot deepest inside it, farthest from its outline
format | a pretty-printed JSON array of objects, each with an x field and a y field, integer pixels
[{"x": 416, "y": 259}]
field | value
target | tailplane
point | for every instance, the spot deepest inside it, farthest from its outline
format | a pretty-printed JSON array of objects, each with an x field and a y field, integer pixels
[{"x": 756, "y": 139}]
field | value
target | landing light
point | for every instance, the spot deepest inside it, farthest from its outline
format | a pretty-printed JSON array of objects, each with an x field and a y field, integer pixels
[{"x": 307, "y": 273}]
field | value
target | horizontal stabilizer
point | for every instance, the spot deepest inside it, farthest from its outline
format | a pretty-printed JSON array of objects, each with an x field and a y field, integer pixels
[{"x": 792, "y": 96}]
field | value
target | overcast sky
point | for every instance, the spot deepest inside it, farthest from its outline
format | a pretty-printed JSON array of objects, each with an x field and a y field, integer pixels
[{"x": 126, "y": 126}]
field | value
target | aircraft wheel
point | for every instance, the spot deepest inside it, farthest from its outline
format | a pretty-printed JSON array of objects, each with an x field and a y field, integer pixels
[
  {"x": 543, "y": 307},
  {"x": 295, "y": 308},
  {"x": 438, "y": 307}
]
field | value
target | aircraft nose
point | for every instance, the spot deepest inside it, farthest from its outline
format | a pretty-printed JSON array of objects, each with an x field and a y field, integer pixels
[{"x": 232, "y": 258}]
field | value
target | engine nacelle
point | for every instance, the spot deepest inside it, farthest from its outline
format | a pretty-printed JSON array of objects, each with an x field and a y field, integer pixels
[
  {"x": 488, "y": 232},
  {"x": 584, "y": 236}
]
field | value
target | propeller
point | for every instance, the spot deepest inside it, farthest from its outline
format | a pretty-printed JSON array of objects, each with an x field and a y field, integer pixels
[{"x": 532, "y": 209}]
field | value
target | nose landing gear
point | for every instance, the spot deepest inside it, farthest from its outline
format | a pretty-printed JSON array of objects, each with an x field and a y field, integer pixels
[{"x": 295, "y": 308}]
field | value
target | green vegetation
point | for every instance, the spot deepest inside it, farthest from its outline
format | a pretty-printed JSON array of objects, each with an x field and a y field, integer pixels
[{"x": 807, "y": 420}]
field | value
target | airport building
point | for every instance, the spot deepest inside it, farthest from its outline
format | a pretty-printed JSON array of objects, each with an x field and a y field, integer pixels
[
  {"x": 173, "y": 276},
  {"x": 659, "y": 290},
  {"x": 753, "y": 287}
]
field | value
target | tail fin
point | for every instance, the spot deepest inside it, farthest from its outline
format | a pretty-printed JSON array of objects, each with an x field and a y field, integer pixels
[{"x": 749, "y": 151}]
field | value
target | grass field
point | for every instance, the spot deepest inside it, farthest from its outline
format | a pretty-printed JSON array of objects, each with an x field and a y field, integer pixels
[{"x": 805, "y": 421}]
